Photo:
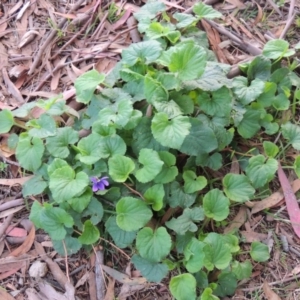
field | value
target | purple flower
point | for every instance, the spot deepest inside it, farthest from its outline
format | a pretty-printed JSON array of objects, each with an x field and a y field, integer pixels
[{"x": 99, "y": 184}]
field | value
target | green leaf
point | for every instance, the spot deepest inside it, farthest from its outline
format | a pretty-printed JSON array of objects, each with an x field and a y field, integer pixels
[
  {"x": 291, "y": 132},
  {"x": 90, "y": 234},
  {"x": 94, "y": 211},
  {"x": 122, "y": 238},
  {"x": 89, "y": 148},
  {"x": 118, "y": 113},
  {"x": 145, "y": 52},
  {"x": 177, "y": 197},
  {"x": 149, "y": 10},
  {"x": 154, "y": 196},
  {"x": 296, "y": 166},
  {"x": 194, "y": 256},
  {"x": 217, "y": 254},
  {"x": 86, "y": 84},
  {"x": 153, "y": 245},
  {"x": 260, "y": 67},
  {"x": 187, "y": 60},
  {"x": 213, "y": 78},
  {"x": 143, "y": 138},
  {"x": 261, "y": 171},
  {"x": 270, "y": 149},
  {"x": 171, "y": 108},
  {"x": 154, "y": 272},
  {"x": 214, "y": 161},
  {"x": 208, "y": 295},
  {"x": 216, "y": 103},
  {"x": 227, "y": 284},
  {"x": 245, "y": 93},
  {"x": 216, "y": 205},
  {"x": 186, "y": 222},
  {"x": 193, "y": 183},
  {"x": 57, "y": 163},
  {"x": 183, "y": 240},
  {"x": 120, "y": 167},
  {"x": 242, "y": 270},
  {"x": 58, "y": 145},
  {"x": 6, "y": 121},
  {"x": 34, "y": 186},
  {"x": 201, "y": 139},
  {"x": 132, "y": 213},
  {"x": 80, "y": 203},
  {"x": 275, "y": 49},
  {"x": 170, "y": 133},
  {"x": 152, "y": 165},
  {"x": 72, "y": 245},
  {"x": 267, "y": 97},
  {"x": 249, "y": 125},
  {"x": 64, "y": 183},
  {"x": 183, "y": 287},
  {"x": 259, "y": 252},
  {"x": 29, "y": 152},
  {"x": 103, "y": 130},
  {"x": 154, "y": 91},
  {"x": 168, "y": 172},
  {"x": 205, "y": 11},
  {"x": 281, "y": 102},
  {"x": 53, "y": 220},
  {"x": 43, "y": 127},
  {"x": 184, "y": 20},
  {"x": 232, "y": 242},
  {"x": 112, "y": 145},
  {"x": 237, "y": 187}
]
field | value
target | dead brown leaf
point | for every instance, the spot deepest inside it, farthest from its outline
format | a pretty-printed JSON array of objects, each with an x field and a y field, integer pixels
[
  {"x": 274, "y": 199},
  {"x": 269, "y": 294},
  {"x": 238, "y": 220},
  {"x": 4, "y": 295},
  {"x": 252, "y": 236},
  {"x": 237, "y": 3},
  {"x": 11, "y": 87},
  {"x": 123, "y": 278},
  {"x": 110, "y": 293},
  {"x": 295, "y": 271},
  {"x": 260, "y": 14},
  {"x": 26, "y": 245}
]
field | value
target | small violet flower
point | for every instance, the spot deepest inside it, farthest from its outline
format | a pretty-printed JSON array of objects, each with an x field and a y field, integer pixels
[{"x": 99, "y": 184}]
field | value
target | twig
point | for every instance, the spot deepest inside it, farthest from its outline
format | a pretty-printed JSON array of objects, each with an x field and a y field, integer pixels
[
  {"x": 9, "y": 161},
  {"x": 50, "y": 37},
  {"x": 272, "y": 283},
  {"x": 134, "y": 191},
  {"x": 99, "y": 274},
  {"x": 241, "y": 44},
  {"x": 114, "y": 246},
  {"x": 11, "y": 204},
  {"x": 275, "y": 7},
  {"x": 66, "y": 260},
  {"x": 287, "y": 26},
  {"x": 4, "y": 226},
  {"x": 291, "y": 9}
]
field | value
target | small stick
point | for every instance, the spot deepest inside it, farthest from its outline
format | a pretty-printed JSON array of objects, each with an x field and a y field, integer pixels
[
  {"x": 66, "y": 260},
  {"x": 11, "y": 204},
  {"x": 4, "y": 226},
  {"x": 287, "y": 26},
  {"x": 275, "y": 7}
]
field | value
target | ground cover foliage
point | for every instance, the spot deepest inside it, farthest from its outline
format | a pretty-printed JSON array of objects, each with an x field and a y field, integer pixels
[{"x": 160, "y": 124}]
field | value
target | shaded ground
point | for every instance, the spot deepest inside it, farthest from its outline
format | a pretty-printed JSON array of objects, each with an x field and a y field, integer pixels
[{"x": 44, "y": 47}]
